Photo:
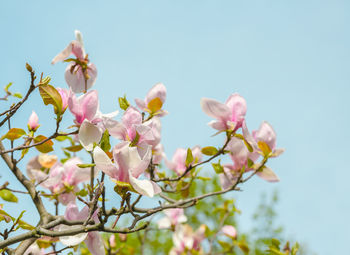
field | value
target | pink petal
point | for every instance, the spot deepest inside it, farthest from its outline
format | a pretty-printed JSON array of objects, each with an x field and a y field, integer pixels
[
  {"x": 157, "y": 91},
  {"x": 140, "y": 104},
  {"x": 95, "y": 244},
  {"x": 268, "y": 175},
  {"x": 144, "y": 187},
  {"x": 229, "y": 231},
  {"x": 63, "y": 54},
  {"x": 267, "y": 134},
  {"x": 215, "y": 109},
  {"x": 238, "y": 107},
  {"x": 104, "y": 163},
  {"x": 89, "y": 104}
]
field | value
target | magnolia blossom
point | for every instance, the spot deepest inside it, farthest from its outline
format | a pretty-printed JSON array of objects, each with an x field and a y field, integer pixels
[
  {"x": 185, "y": 239},
  {"x": 266, "y": 134},
  {"x": 154, "y": 100},
  {"x": 173, "y": 217},
  {"x": 229, "y": 116},
  {"x": 38, "y": 167},
  {"x": 129, "y": 164},
  {"x": 92, "y": 240},
  {"x": 178, "y": 162},
  {"x": 229, "y": 231},
  {"x": 80, "y": 75},
  {"x": 85, "y": 108},
  {"x": 34, "y": 249},
  {"x": 131, "y": 128},
  {"x": 241, "y": 156},
  {"x": 62, "y": 176},
  {"x": 33, "y": 122}
]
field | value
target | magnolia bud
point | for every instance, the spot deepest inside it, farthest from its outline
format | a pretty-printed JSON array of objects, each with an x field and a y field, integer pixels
[{"x": 33, "y": 123}]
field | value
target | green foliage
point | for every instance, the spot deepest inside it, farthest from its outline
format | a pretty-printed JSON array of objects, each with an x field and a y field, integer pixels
[{"x": 14, "y": 134}]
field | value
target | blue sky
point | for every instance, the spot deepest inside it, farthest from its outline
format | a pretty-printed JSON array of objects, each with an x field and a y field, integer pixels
[{"x": 289, "y": 59}]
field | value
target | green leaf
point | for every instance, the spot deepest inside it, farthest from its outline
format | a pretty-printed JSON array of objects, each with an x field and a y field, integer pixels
[
  {"x": 74, "y": 148},
  {"x": 123, "y": 187},
  {"x": 218, "y": 167},
  {"x": 123, "y": 103},
  {"x": 8, "y": 196},
  {"x": 13, "y": 134},
  {"x": 189, "y": 157},
  {"x": 82, "y": 193},
  {"x": 85, "y": 165},
  {"x": 105, "y": 145},
  {"x": 250, "y": 163},
  {"x": 209, "y": 151},
  {"x": 249, "y": 147},
  {"x": 7, "y": 87},
  {"x": 18, "y": 95},
  {"x": 46, "y": 146},
  {"x": 51, "y": 96}
]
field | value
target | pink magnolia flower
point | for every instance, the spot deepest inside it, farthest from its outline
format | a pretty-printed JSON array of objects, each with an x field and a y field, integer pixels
[
  {"x": 266, "y": 134},
  {"x": 34, "y": 249},
  {"x": 185, "y": 240},
  {"x": 178, "y": 162},
  {"x": 80, "y": 75},
  {"x": 172, "y": 218},
  {"x": 38, "y": 167},
  {"x": 229, "y": 116},
  {"x": 154, "y": 100},
  {"x": 87, "y": 114},
  {"x": 240, "y": 155},
  {"x": 68, "y": 174},
  {"x": 92, "y": 240},
  {"x": 229, "y": 231},
  {"x": 33, "y": 122},
  {"x": 129, "y": 164},
  {"x": 131, "y": 128}
]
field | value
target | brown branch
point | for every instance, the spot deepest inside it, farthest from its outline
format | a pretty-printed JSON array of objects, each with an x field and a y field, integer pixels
[{"x": 14, "y": 109}]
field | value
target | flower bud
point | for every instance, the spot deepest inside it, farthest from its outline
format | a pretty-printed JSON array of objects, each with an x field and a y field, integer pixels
[{"x": 33, "y": 122}]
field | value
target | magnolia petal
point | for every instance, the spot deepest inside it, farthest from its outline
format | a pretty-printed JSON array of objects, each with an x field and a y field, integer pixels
[
  {"x": 89, "y": 104},
  {"x": 104, "y": 163},
  {"x": 115, "y": 128},
  {"x": 79, "y": 38},
  {"x": 95, "y": 244},
  {"x": 164, "y": 223},
  {"x": 229, "y": 231},
  {"x": 268, "y": 175},
  {"x": 157, "y": 91},
  {"x": 75, "y": 79},
  {"x": 63, "y": 54},
  {"x": 140, "y": 104},
  {"x": 215, "y": 109},
  {"x": 89, "y": 134},
  {"x": 71, "y": 240},
  {"x": 219, "y": 125},
  {"x": 277, "y": 152},
  {"x": 144, "y": 187}
]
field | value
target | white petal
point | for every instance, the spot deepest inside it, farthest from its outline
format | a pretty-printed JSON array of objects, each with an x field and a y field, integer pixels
[
  {"x": 215, "y": 109},
  {"x": 164, "y": 223},
  {"x": 144, "y": 187},
  {"x": 104, "y": 163},
  {"x": 71, "y": 240},
  {"x": 89, "y": 134}
]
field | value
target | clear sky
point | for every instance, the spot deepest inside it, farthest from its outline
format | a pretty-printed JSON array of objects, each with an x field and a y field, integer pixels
[{"x": 289, "y": 59}]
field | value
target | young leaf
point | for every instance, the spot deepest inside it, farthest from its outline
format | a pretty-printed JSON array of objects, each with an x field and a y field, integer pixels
[
  {"x": 51, "y": 96},
  {"x": 218, "y": 167},
  {"x": 13, "y": 134},
  {"x": 85, "y": 165},
  {"x": 189, "y": 157},
  {"x": 74, "y": 148},
  {"x": 123, "y": 103},
  {"x": 8, "y": 196},
  {"x": 105, "y": 145},
  {"x": 155, "y": 105},
  {"x": 46, "y": 146},
  {"x": 209, "y": 150}
]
